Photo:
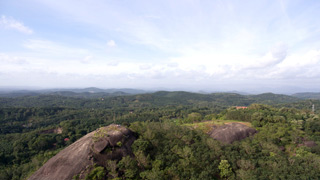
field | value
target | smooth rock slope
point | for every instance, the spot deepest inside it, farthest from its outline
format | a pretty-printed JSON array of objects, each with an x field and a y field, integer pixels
[
  {"x": 229, "y": 133},
  {"x": 107, "y": 143}
]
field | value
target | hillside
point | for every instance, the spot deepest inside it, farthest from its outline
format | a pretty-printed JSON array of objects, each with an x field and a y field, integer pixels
[
  {"x": 91, "y": 92},
  {"x": 270, "y": 98},
  {"x": 307, "y": 95},
  {"x": 171, "y": 151},
  {"x": 33, "y": 129},
  {"x": 161, "y": 98}
]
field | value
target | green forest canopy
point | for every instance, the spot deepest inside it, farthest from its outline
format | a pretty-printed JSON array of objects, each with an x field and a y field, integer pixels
[{"x": 27, "y": 137}]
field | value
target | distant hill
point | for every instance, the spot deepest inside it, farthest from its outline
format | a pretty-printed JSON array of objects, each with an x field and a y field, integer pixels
[
  {"x": 270, "y": 98},
  {"x": 98, "y": 90},
  {"x": 161, "y": 98},
  {"x": 228, "y": 98},
  {"x": 90, "y": 92},
  {"x": 19, "y": 93},
  {"x": 307, "y": 95}
]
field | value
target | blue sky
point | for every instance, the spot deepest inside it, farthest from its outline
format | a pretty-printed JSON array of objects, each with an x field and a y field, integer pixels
[{"x": 214, "y": 45}]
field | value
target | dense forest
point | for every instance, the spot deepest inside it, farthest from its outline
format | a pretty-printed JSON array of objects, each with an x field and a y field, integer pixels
[{"x": 34, "y": 128}]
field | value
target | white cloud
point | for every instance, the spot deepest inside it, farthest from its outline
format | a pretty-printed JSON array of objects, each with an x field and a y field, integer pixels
[
  {"x": 279, "y": 51},
  {"x": 129, "y": 73},
  {"x": 299, "y": 65},
  {"x": 5, "y": 58},
  {"x": 195, "y": 66},
  {"x": 182, "y": 42},
  {"x": 276, "y": 55},
  {"x": 111, "y": 43},
  {"x": 53, "y": 49},
  {"x": 173, "y": 65},
  {"x": 113, "y": 63},
  {"x": 145, "y": 66},
  {"x": 87, "y": 59},
  {"x": 10, "y": 23}
]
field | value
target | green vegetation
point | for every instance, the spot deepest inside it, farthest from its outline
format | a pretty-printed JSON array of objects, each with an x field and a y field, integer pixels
[
  {"x": 171, "y": 128},
  {"x": 98, "y": 173},
  {"x": 307, "y": 95},
  {"x": 225, "y": 169}
]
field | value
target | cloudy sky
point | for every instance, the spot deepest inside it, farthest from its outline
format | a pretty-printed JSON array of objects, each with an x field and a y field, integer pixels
[{"x": 210, "y": 45}]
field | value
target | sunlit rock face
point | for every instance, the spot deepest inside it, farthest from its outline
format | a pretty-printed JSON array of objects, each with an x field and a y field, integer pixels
[
  {"x": 112, "y": 143},
  {"x": 107, "y": 143},
  {"x": 229, "y": 133}
]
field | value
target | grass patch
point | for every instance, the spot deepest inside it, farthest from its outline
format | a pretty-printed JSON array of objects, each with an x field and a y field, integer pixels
[{"x": 104, "y": 132}]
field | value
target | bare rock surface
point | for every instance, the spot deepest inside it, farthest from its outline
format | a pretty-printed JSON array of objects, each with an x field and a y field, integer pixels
[
  {"x": 309, "y": 143},
  {"x": 112, "y": 143},
  {"x": 52, "y": 131},
  {"x": 85, "y": 152},
  {"x": 229, "y": 133},
  {"x": 100, "y": 145}
]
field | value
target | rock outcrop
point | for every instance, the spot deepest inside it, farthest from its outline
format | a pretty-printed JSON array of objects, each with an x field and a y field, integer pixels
[
  {"x": 112, "y": 143},
  {"x": 229, "y": 133},
  {"x": 107, "y": 143},
  {"x": 52, "y": 131},
  {"x": 307, "y": 143}
]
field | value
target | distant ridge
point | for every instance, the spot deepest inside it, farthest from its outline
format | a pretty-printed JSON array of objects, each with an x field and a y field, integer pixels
[
  {"x": 172, "y": 96},
  {"x": 270, "y": 97},
  {"x": 160, "y": 98},
  {"x": 91, "y": 92},
  {"x": 307, "y": 95}
]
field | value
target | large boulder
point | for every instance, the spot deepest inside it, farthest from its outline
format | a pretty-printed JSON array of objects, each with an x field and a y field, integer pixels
[
  {"x": 107, "y": 143},
  {"x": 229, "y": 133},
  {"x": 112, "y": 143},
  {"x": 309, "y": 143}
]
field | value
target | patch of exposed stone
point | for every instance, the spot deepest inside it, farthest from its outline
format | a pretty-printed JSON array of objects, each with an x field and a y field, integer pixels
[
  {"x": 229, "y": 133},
  {"x": 307, "y": 143},
  {"x": 52, "y": 131},
  {"x": 112, "y": 143},
  {"x": 96, "y": 148}
]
